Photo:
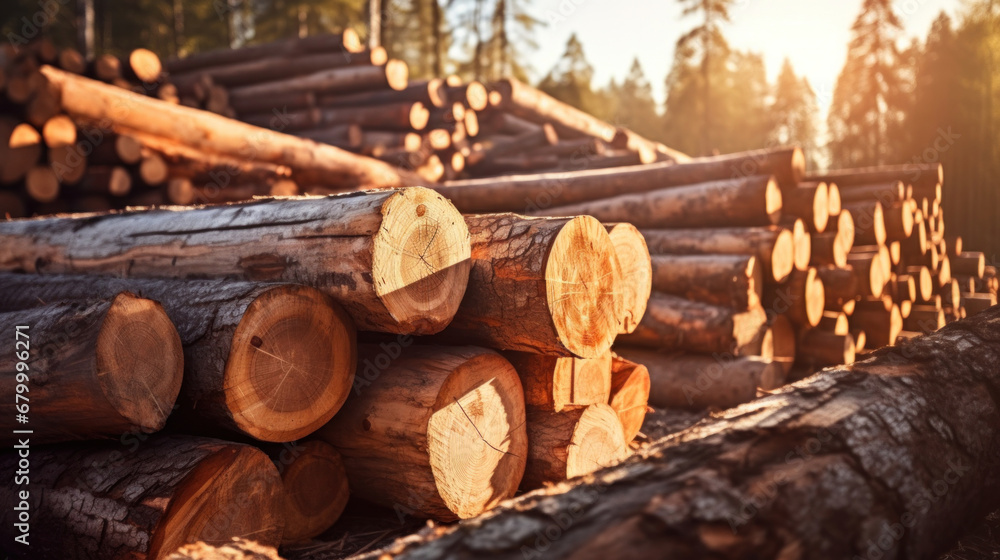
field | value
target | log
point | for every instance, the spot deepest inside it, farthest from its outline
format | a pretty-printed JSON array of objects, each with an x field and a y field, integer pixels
[
  {"x": 282, "y": 67},
  {"x": 42, "y": 184},
  {"x": 146, "y": 499},
  {"x": 754, "y": 201},
  {"x": 820, "y": 348},
  {"x": 734, "y": 281},
  {"x": 783, "y": 348},
  {"x": 899, "y": 220},
  {"x": 347, "y": 42},
  {"x": 541, "y": 285},
  {"x": 773, "y": 247},
  {"x": 629, "y": 394},
  {"x": 472, "y": 94},
  {"x": 881, "y": 327},
  {"x": 810, "y": 202},
  {"x": 572, "y": 443},
  {"x": 924, "y": 319},
  {"x": 315, "y": 487},
  {"x": 239, "y": 549},
  {"x": 531, "y": 104},
  {"x": 11, "y": 205},
  {"x": 696, "y": 381},
  {"x": 143, "y": 65},
  {"x": 394, "y": 74},
  {"x": 834, "y": 201},
  {"x": 280, "y": 103},
  {"x": 635, "y": 271},
  {"x": 844, "y": 284},
  {"x": 803, "y": 245},
  {"x": 887, "y": 193},
  {"x": 59, "y": 132},
  {"x": 802, "y": 298},
  {"x": 904, "y": 288},
  {"x": 403, "y": 116},
  {"x": 969, "y": 264},
  {"x": 396, "y": 260},
  {"x": 87, "y": 100},
  {"x": 111, "y": 180},
  {"x": 834, "y": 322},
  {"x": 547, "y": 190},
  {"x": 554, "y": 383},
  {"x": 712, "y": 478},
  {"x": 432, "y": 432},
  {"x": 91, "y": 370},
  {"x": 431, "y": 93},
  {"x": 869, "y": 269},
  {"x": 676, "y": 324},
  {"x": 928, "y": 174},
  {"x": 869, "y": 222},
  {"x": 977, "y": 303},
  {"x": 271, "y": 361},
  {"x": 115, "y": 149}
]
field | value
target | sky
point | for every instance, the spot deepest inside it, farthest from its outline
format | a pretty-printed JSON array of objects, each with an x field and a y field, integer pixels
[{"x": 813, "y": 34}]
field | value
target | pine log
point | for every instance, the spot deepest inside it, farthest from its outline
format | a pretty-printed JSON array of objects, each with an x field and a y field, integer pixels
[
  {"x": 968, "y": 263},
  {"x": 396, "y": 260},
  {"x": 881, "y": 326},
  {"x": 472, "y": 94},
  {"x": 59, "y": 132},
  {"x": 571, "y": 443},
  {"x": 844, "y": 284},
  {"x": 42, "y": 184},
  {"x": 869, "y": 269},
  {"x": 347, "y": 42},
  {"x": 977, "y": 303},
  {"x": 280, "y": 103},
  {"x": 531, "y": 104},
  {"x": 144, "y": 499},
  {"x": 394, "y": 75},
  {"x": 899, "y": 220},
  {"x": 315, "y": 487},
  {"x": 802, "y": 298},
  {"x": 635, "y": 272},
  {"x": 915, "y": 174},
  {"x": 674, "y": 323},
  {"x": 808, "y": 201},
  {"x": 803, "y": 245},
  {"x": 924, "y": 319},
  {"x": 820, "y": 348},
  {"x": 554, "y": 383},
  {"x": 91, "y": 369},
  {"x": 282, "y": 67},
  {"x": 271, "y": 361},
  {"x": 86, "y": 100},
  {"x": 629, "y": 394},
  {"x": 113, "y": 149},
  {"x": 403, "y": 116},
  {"x": 111, "y": 180},
  {"x": 433, "y": 432},
  {"x": 834, "y": 201},
  {"x": 773, "y": 247},
  {"x": 783, "y": 347},
  {"x": 541, "y": 285},
  {"x": 754, "y": 201},
  {"x": 887, "y": 193},
  {"x": 12, "y": 205},
  {"x": 238, "y": 549},
  {"x": 143, "y": 65},
  {"x": 696, "y": 381},
  {"x": 734, "y": 281},
  {"x": 543, "y": 191},
  {"x": 869, "y": 222},
  {"x": 834, "y": 322},
  {"x": 904, "y": 288}
]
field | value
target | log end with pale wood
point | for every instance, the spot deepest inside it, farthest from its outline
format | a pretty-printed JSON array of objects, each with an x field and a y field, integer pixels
[
  {"x": 316, "y": 489},
  {"x": 554, "y": 383},
  {"x": 629, "y": 394},
  {"x": 635, "y": 272}
]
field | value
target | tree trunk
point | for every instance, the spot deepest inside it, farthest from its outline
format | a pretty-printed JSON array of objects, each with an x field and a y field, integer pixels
[
  {"x": 86, "y": 100},
  {"x": 802, "y": 298},
  {"x": 734, "y": 281},
  {"x": 773, "y": 247},
  {"x": 571, "y": 443},
  {"x": 553, "y": 383},
  {"x": 540, "y": 285},
  {"x": 547, "y": 190},
  {"x": 869, "y": 222},
  {"x": 236, "y": 335},
  {"x": 396, "y": 260},
  {"x": 808, "y": 201},
  {"x": 676, "y": 324},
  {"x": 142, "y": 500},
  {"x": 432, "y": 431},
  {"x": 771, "y": 479},
  {"x": 629, "y": 394},
  {"x": 347, "y": 41},
  {"x": 929, "y": 174},
  {"x": 237, "y": 549},
  {"x": 275, "y": 68},
  {"x": 315, "y": 484},
  {"x": 635, "y": 270},
  {"x": 91, "y": 369},
  {"x": 347, "y": 79}
]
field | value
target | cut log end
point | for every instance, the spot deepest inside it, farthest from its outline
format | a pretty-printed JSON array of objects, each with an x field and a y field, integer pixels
[
  {"x": 636, "y": 273},
  {"x": 219, "y": 500},
  {"x": 139, "y": 360},
  {"x": 629, "y": 394},
  {"x": 316, "y": 491},
  {"x": 783, "y": 256},
  {"x": 397, "y": 74},
  {"x": 573, "y": 443},
  {"x": 421, "y": 260},
  {"x": 291, "y": 364},
  {"x": 803, "y": 245},
  {"x": 772, "y": 201},
  {"x": 581, "y": 287},
  {"x": 476, "y": 438},
  {"x": 145, "y": 65}
]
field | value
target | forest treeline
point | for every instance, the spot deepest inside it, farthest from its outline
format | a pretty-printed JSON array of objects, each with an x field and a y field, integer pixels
[{"x": 927, "y": 100}]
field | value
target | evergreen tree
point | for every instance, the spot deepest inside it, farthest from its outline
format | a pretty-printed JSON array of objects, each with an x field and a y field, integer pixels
[
  {"x": 708, "y": 37},
  {"x": 636, "y": 107},
  {"x": 867, "y": 102},
  {"x": 794, "y": 113},
  {"x": 570, "y": 79}
]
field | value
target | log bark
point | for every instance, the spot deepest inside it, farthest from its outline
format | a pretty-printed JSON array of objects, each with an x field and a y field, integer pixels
[
  {"x": 773, "y": 247},
  {"x": 281, "y": 67},
  {"x": 924, "y": 319},
  {"x": 346, "y": 41},
  {"x": 547, "y": 190},
  {"x": 429, "y": 92},
  {"x": 272, "y": 361},
  {"x": 86, "y": 100},
  {"x": 734, "y": 281},
  {"x": 541, "y": 285},
  {"x": 239, "y": 549},
  {"x": 915, "y": 174},
  {"x": 572, "y": 443},
  {"x": 969, "y": 264},
  {"x": 899, "y": 220},
  {"x": 802, "y": 298},
  {"x": 881, "y": 326},
  {"x": 676, "y": 324},
  {"x": 753, "y": 201},
  {"x": 810, "y": 202},
  {"x": 887, "y": 193},
  {"x": 699, "y": 381},
  {"x": 145, "y": 499},
  {"x": 629, "y": 394},
  {"x": 869, "y": 269},
  {"x": 315, "y": 487},
  {"x": 842, "y": 284},
  {"x": 432, "y": 431},
  {"x": 803, "y": 245},
  {"x": 348, "y": 79},
  {"x": 89, "y": 370},
  {"x": 775, "y": 471},
  {"x": 869, "y": 222},
  {"x": 553, "y": 383},
  {"x": 635, "y": 272},
  {"x": 396, "y": 260},
  {"x": 821, "y": 348}
]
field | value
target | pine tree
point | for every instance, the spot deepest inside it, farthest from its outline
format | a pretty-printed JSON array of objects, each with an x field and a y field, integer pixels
[
  {"x": 570, "y": 79},
  {"x": 793, "y": 113},
  {"x": 866, "y": 99},
  {"x": 636, "y": 107},
  {"x": 708, "y": 37}
]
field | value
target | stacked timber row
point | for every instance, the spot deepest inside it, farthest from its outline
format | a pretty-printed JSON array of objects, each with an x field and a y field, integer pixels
[
  {"x": 255, "y": 305},
  {"x": 71, "y": 143}
]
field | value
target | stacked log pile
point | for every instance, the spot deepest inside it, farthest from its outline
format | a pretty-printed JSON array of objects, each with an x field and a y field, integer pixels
[{"x": 255, "y": 306}]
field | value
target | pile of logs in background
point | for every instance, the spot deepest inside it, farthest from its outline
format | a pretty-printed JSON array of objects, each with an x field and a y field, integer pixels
[{"x": 494, "y": 290}]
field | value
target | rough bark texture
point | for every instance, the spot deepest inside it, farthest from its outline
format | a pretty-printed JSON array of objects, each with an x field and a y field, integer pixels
[
  {"x": 396, "y": 260},
  {"x": 540, "y": 285},
  {"x": 91, "y": 369},
  {"x": 734, "y": 281},
  {"x": 239, "y": 549},
  {"x": 272, "y": 361},
  {"x": 142, "y": 500},
  {"x": 889, "y": 458}
]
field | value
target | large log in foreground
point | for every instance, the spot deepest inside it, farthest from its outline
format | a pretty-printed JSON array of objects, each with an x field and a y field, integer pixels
[
  {"x": 272, "y": 361},
  {"x": 89, "y": 369},
  {"x": 111, "y": 502},
  {"x": 888, "y": 458},
  {"x": 396, "y": 260},
  {"x": 525, "y": 193},
  {"x": 312, "y": 163}
]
